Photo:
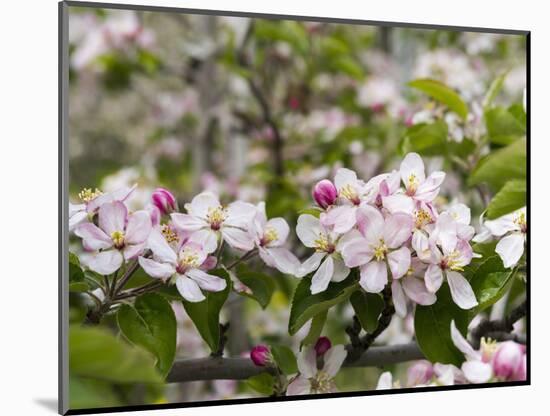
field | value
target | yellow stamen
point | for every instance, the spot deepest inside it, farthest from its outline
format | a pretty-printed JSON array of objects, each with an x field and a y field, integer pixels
[
  {"x": 422, "y": 217},
  {"x": 118, "y": 238},
  {"x": 188, "y": 258},
  {"x": 454, "y": 262},
  {"x": 270, "y": 235},
  {"x": 169, "y": 234},
  {"x": 380, "y": 251},
  {"x": 488, "y": 347},
  {"x": 323, "y": 245},
  {"x": 349, "y": 193},
  {"x": 521, "y": 221},
  {"x": 86, "y": 195},
  {"x": 322, "y": 382},
  {"x": 216, "y": 216}
]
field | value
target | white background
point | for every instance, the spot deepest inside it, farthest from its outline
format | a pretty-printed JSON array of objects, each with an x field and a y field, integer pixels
[{"x": 28, "y": 220}]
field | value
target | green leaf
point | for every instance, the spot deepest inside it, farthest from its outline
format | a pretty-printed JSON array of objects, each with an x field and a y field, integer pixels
[
  {"x": 426, "y": 139},
  {"x": 261, "y": 285},
  {"x": 285, "y": 359},
  {"x": 89, "y": 393},
  {"x": 151, "y": 323},
  {"x": 494, "y": 90},
  {"x": 512, "y": 196},
  {"x": 348, "y": 66},
  {"x": 305, "y": 305},
  {"x": 432, "y": 326},
  {"x": 489, "y": 280},
  {"x": 316, "y": 212},
  {"x": 502, "y": 165},
  {"x": 367, "y": 307},
  {"x": 206, "y": 314},
  {"x": 75, "y": 270},
  {"x": 98, "y": 354},
  {"x": 442, "y": 93},
  {"x": 502, "y": 126},
  {"x": 78, "y": 287},
  {"x": 262, "y": 383},
  {"x": 317, "y": 324}
]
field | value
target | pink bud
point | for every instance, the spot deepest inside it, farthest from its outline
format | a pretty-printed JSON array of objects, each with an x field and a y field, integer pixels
[
  {"x": 508, "y": 360},
  {"x": 322, "y": 345},
  {"x": 164, "y": 201},
  {"x": 324, "y": 193},
  {"x": 154, "y": 212},
  {"x": 421, "y": 372},
  {"x": 260, "y": 355}
]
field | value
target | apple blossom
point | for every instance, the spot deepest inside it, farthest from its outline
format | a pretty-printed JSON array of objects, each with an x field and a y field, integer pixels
[
  {"x": 322, "y": 345},
  {"x": 205, "y": 214},
  {"x": 120, "y": 236},
  {"x": 181, "y": 262},
  {"x": 312, "y": 380},
  {"x": 421, "y": 372},
  {"x": 417, "y": 186},
  {"x": 413, "y": 287},
  {"x": 91, "y": 201},
  {"x": 261, "y": 355},
  {"x": 377, "y": 246},
  {"x": 164, "y": 201},
  {"x": 270, "y": 236},
  {"x": 313, "y": 234},
  {"x": 509, "y": 361},
  {"x": 325, "y": 193}
]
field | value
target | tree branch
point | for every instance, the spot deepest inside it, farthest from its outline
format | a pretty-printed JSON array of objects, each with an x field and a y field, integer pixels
[
  {"x": 218, "y": 368},
  {"x": 500, "y": 329}
]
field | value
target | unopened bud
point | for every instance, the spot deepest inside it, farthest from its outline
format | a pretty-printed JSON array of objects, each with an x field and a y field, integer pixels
[
  {"x": 325, "y": 193},
  {"x": 164, "y": 201}
]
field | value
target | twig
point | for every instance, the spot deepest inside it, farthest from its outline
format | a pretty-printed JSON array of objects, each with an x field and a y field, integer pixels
[
  {"x": 498, "y": 329},
  {"x": 223, "y": 340},
  {"x": 244, "y": 257},
  {"x": 140, "y": 290},
  {"x": 133, "y": 267},
  {"x": 359, "y": 345},
  {"x": 233, "y": 368}
]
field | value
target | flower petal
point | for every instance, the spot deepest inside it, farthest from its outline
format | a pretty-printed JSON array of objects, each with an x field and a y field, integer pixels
[
  {"x": 399, "y": 300},
  {"x": 510, "y": 249},
  {"x": 322, "y": 277},
  {"x": 105, "y": 262},
  {"x": 397, "y": 229},
  {"x": 189, "y": 289},
  {"x": 399, "y": 261},
  {"x": 206, "y": 238},
  {"x": 340, "y": 219},
  {"x": 281, "y": 228},
  {"x": 433, "y": 278},
  {"x": 156, "y": 269},
  {"x": 201, "y": 204},
  {"x": 112, "y": 217},
  {"x": 312, "y": 263},
  {"x": 398, "y": 203},
  {"x": 131, "y": 251},
  {"x": 357, "y": 252},
  {"x": 160, "y": 247},
  {"x": 345, "y": 177},
  {"x": 428, "y": 190},
  {"x": 340, "y": 270},
  {"x": 138, "y": 227},
  {"x": 415, "y": 290},
  {"x": 461, "y": 291},
  {"x": 334, "y": 358},
  {"x": 77, "y": 218},
  {"x": 300, "y": 385},
  {"x": 462, "y": 344},
  {"x": 307, "y": 362},
  {"x": 93, "y": 236},
  {"x": 308, "y": 229},
  {"x": 237, "y": 238},
  {"x": 477, "y": 371},
  {"x": 283, "y": 259},
  {"x": 370, "y": 223},
  {"x": 207, "y": 281},
  {"x": 240, "y": 214},
  {"x": 412, "y": 164},
  {"x": 421, "y": 245},
  {"x": 374, "y": 276},
  {"x": 385, "y": 382},
  {"x": 188, "y": 222}
]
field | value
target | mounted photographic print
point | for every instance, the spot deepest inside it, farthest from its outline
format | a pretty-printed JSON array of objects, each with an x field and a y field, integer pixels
[{"x": 265, "y": 208}]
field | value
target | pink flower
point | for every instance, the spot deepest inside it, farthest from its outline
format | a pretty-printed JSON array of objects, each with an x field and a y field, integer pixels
[
  {"x": 421, "y": 372},
  {"x": 313, "y": 234},
  {"x": 477, "y": 368},
  {"x": 206, "y": 215},
  {"x": 325, "y": 193},
  {"x": 182, "y": 262},
  {"x": 313, "y": 381},
  {"x": 120, "y": 236},
  {"x": 322, "y": 345},
  {"x": 508, "y": 361},
  {"x": 417, "y": 186},
  {"x": 270, "y": 236},
  {"x": 448, "y": 261},
  {"x": 261, "y": 355},
  {"x": 377, "y": 244},
  {"x": 92, "y": 201},
  {"x": 413, "y": 287},
  {"x": 164, "y": 201}
]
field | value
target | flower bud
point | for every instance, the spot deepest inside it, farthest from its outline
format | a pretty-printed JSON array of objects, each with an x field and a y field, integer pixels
[
  {"x": 164, "y": 201},
  {"x": 508, "y": 360},
  {"x": 260, "y": 355},
  {"x": 322, "y": 345},
  {"x": 325, "y": 193},
  {"x": 421, "y": 372}
]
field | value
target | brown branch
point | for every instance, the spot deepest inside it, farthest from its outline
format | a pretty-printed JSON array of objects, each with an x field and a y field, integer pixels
[
  {"x": 238, "y": 368},
  {"x": 499, "y": 329}
]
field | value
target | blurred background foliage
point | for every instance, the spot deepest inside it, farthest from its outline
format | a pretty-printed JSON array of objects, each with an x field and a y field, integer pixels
[{"x": 258, "y": 109}]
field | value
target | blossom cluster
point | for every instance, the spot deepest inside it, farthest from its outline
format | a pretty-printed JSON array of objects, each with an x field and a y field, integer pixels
[
  {"x": 175, "y": 247},
  {"x": 493, "y": 361},
  {"x": 390, "y": 229}
]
